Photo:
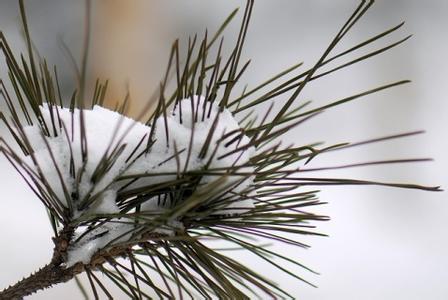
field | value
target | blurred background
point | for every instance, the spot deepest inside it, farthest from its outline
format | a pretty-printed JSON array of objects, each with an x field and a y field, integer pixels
[{"x": 383, "y": 243}]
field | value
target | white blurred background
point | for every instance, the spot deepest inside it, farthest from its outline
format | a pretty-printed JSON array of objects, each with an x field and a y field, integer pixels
[{"x": 383, "y": 243}]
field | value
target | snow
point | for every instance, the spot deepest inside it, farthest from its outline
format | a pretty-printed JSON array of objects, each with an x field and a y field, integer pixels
[
  {"x": 95, "y": 240},
  {"x": 105, "y": 204},
  {"x": 87, "y": 244},
  {"x": 188, "y": 126}
]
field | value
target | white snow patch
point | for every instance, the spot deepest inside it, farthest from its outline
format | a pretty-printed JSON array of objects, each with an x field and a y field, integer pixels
[
  {"x": 96, "y": 239},
  {"x": 89, "y": 242},
  {"x": 188, "y": 125}
]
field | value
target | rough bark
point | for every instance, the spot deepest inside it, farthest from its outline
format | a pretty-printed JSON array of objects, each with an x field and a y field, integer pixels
[
  {"x": 53, "y": 273},
  {"x": 44, "y": 278},
  {"x": 56, "y": 272}
]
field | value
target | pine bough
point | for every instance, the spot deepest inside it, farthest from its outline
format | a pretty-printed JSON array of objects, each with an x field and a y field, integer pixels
[{"x": 142, "y": 201}]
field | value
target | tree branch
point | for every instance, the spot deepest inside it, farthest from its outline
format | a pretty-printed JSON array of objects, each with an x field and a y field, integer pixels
[
  {"x": 44, "y": 278},
  {"x": 56, "y": 271},
  {"x": 53, "y": 273}
]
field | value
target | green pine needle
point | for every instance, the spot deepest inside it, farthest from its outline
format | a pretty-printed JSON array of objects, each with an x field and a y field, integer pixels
[{"x": 186, "y": 263}]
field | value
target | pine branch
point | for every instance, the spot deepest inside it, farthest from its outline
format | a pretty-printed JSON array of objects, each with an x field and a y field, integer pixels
[
  {"x": 158, "y": 192},
  {"x": 44, "y": 278},
  {"x": 53, "y": 273}
]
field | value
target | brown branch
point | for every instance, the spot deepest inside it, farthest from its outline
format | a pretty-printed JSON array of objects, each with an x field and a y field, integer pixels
[
  {"x": 56, "y": 272},
  {"x": 53, "y": 273},
  {"x": 44, "y": 278}
]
